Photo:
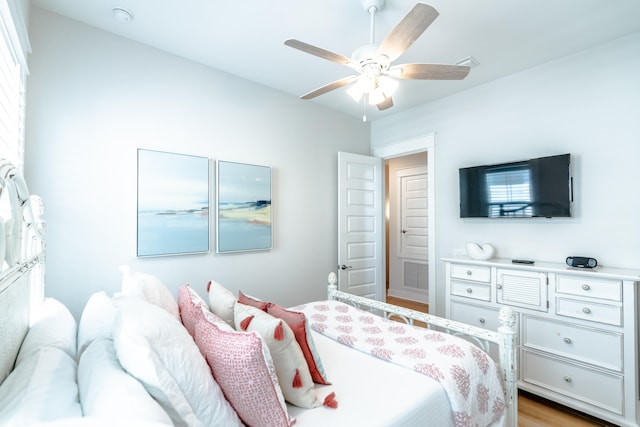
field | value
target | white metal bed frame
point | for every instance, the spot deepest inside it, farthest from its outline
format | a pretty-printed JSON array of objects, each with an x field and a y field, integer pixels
[{"x": 504, "y": 337}]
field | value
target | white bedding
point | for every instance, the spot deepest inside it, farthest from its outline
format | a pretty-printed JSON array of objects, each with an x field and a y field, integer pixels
[{"x": 362, "y": 383}]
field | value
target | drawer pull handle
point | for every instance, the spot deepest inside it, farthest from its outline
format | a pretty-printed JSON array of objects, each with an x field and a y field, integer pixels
[
  {"x": 469, "y": 290},
  {"x": 586, "y": 287},
  {"x": 469, "y": 272},
  {"x": 567, "y": 379},
  {"x": 481, "y": 320},
  {"x": 567, "y": 340},
  {"x": 586, "y": 310}
]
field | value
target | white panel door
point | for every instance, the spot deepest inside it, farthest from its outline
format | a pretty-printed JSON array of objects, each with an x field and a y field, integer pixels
[
  {"x": 413, "y": 216},
  {"x": 360, "y": 225}
]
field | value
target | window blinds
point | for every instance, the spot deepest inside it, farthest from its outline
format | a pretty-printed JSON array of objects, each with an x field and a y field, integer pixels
[{"x": 509, "y": 192}]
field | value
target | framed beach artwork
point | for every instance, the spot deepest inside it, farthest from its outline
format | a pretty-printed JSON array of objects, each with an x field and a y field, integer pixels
[
  {"x": 244, "y": 220},
  {"x": 173, "y": 204}
]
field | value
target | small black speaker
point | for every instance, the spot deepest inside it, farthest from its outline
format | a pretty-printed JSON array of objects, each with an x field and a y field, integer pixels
[{"x": 581, "y": 261}]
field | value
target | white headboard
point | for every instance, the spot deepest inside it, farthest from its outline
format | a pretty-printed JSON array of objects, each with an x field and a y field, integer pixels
[{"x": 22, "y": 252}]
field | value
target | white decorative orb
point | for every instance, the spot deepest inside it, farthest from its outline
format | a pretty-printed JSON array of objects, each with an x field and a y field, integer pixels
[{"x": 475, "y": 251}]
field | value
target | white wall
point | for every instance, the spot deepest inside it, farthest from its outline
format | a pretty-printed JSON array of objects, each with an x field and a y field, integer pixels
[
  {"x": 587, "y": 105},
  {"x": 94, "y": 98}
]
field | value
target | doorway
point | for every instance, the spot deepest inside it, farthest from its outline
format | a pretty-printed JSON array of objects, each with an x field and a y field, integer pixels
[{"x": 407, "y": 227}]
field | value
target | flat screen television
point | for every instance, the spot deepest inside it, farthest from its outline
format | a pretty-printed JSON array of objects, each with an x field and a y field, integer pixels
[{"x": 541, "y": 187}]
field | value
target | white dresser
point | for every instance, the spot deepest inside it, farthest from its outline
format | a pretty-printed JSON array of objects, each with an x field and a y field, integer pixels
[{"x": 578, "y": 328}]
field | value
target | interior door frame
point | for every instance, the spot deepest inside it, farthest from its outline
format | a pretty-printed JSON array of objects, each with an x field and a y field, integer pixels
[{"x": 411, "y": 146}]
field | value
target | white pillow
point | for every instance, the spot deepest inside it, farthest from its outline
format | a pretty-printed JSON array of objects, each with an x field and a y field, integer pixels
[
  {"x": 107, "y": 391},
  {"x": 96, "y": 320},
  {"x": 55, "y": 327},
  {"x": 96, "y": 422},
  {"x": 292, "y": 370},
  {"x": 155, "y": 348},
  {"x": 41, "y": 388},
  {"x": 148, "y": 288},
  {"x": 221, "y": 302}
]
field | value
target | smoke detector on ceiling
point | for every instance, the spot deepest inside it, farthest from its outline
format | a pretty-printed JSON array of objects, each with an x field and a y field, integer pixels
[{"x": 122, "y": 15}]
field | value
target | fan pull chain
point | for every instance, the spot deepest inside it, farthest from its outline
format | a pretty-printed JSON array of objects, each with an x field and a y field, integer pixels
[{"x": 364, "y": 108}]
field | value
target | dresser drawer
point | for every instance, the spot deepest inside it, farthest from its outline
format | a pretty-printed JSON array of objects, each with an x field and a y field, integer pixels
[
  {"x": 482, "y": 317},
  {"x": 477, "y": 273},
  {"x": 589, "y": 287},
  {"x": 471, "y": 290},
  {"x": 587, "y": 310},
  {"x": 594, "y": 346},
  {"x": 593, "y": 386}
]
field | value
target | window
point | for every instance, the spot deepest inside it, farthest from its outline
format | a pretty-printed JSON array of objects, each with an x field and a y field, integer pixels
[{"x": 13, "y": 73}]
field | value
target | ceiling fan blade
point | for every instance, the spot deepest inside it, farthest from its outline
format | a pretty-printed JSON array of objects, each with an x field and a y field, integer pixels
[
  {"x": 387, "y": 103},
  {"x": 429, "y": 71},
  {"x": 407, "y": 31},
  {"x": 319, "y": 52},
  {"x": 329, "y": 87}
]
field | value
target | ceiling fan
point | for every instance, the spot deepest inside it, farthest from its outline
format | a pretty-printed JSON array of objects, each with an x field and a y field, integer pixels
[{"x": 376, "y": 75}]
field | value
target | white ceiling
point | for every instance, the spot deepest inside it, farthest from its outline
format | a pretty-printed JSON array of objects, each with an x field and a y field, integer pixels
[{"x": 245, "y": 37}]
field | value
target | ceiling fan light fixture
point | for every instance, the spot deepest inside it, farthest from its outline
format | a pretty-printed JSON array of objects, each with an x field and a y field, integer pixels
[
  {"x": 376, "y": 97},
  {"x": 366, "y": 83},
  {"x": 387, "y": 85},
  {"x": 355, "y": 92}
]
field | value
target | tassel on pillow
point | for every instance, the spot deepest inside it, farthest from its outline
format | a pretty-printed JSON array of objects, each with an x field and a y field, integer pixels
[
  {"x": 209, "y": 286},
  {"x": 246, "y": 322},
  {"x": 278, "y": 333},
  {"x": 297, "y": 381},
  {"x": 330, "y": 401}
]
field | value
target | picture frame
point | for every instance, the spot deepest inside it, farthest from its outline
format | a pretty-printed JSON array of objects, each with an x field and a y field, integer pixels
[
  {"x": 244, "y": 220},
  {"x": 172, "y": 204}
]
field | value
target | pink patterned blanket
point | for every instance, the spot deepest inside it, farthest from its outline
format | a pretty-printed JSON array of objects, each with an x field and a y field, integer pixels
[{"x": 467, "y": 374}]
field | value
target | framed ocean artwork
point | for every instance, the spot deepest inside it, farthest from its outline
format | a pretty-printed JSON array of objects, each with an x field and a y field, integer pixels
[
  {"x": 173, "y": 204},
  {"x": 244, "y": 217}
]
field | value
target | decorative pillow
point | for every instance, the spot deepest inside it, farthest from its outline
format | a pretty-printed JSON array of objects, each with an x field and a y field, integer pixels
[
  {"x": 291, "y": 368},
  {"x": 96, "y": 320},
  {"x": 190, "y": 305},
  {"x": 107, "y": 391},
  {"x": 55, "y": 327},
  {"x": 297, "y": 321},
  {"x": 41, "y": 388},
  {"x": 253, "y": 302},
  {"x": 242, "y": 366},
  {"x": 148, "y": 288},
  {"x": 156, "y": 349},
  {"x": 221, "y": 301}
]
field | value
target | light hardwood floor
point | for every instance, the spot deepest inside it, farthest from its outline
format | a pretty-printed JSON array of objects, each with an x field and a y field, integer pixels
[{"x": 533, "y": 411}]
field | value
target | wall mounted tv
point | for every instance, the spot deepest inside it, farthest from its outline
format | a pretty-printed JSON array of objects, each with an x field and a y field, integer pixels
[{"x": 541, "y": 187}]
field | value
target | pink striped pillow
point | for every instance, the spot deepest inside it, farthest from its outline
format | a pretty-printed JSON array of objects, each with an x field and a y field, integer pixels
[{"x": 241, "y": 364}]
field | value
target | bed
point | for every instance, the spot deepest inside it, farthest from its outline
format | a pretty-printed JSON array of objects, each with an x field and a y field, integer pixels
[{"x": 209, "y": 357}]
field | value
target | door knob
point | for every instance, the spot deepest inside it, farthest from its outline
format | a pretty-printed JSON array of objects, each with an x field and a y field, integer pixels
[
  {"x": 344, "y": 267},
  {"x": 404, "y": 231}
]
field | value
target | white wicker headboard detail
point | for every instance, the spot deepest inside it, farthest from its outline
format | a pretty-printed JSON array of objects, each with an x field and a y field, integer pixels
[{"x": 22, "y": 252}]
